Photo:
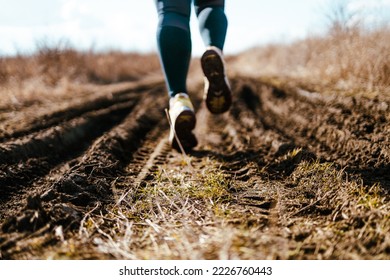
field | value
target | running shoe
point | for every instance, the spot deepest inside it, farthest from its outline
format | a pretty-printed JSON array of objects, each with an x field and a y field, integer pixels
[
  {"x": 182, "y": 121},
  {"x": 218, "y": 94}
]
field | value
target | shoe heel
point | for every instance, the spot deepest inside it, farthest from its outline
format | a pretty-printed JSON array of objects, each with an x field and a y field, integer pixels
[
  {"x": 184, "y": 125},
  {"x": 185, "y": 122}
]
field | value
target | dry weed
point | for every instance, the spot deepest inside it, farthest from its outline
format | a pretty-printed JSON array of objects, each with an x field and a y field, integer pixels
[
  {"x": 352, "y": 61},
  {"x": 55, "y": 71}
]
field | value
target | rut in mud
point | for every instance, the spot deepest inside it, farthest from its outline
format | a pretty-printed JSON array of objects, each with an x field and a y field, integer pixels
[{"x": 62, "y": 164}]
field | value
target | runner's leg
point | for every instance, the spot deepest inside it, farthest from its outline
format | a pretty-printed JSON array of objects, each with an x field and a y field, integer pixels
[
  {"x": 213, "y": 27},
  {"x": 212, "y": 22},
  {"x": 174, "y": 42}
]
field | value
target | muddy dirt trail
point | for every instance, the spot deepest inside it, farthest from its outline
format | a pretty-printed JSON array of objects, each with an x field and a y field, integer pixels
[{"x": 61, "y": 162}]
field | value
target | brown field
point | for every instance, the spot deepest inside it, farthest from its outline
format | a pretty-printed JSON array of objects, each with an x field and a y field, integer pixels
[{"x": 297, "y": 169}]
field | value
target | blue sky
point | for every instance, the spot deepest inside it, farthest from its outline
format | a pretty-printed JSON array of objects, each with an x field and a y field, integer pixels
[{"x": 129, "y": 25}]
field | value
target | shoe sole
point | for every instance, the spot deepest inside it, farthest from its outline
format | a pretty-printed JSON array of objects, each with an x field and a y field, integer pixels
[
  {"x": 218, "y": 96},
  {"x": 184, "y": 124}
]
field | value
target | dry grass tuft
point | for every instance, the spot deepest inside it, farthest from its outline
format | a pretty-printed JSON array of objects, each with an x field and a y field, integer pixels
[
  {"x": 54, "y": 71},
  {"x": 350, "y": 61},
  {"x": 334, "y": 217},
  {"x": 172, "y": 217},
  {"x": 55, "y": 63}
]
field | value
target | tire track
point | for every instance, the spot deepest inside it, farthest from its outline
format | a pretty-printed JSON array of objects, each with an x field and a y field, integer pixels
[
  {"x": 88, "y": 181},
  {"x": 349, "y": 133},
  {"x": 64, "y": 136},
  {"x": 105, "y": 97},
  {"x": 33, "y": 156},
  {"x": 237, "y": 142}
]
